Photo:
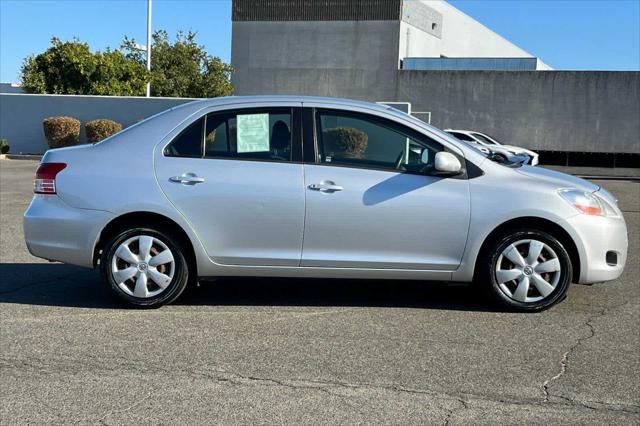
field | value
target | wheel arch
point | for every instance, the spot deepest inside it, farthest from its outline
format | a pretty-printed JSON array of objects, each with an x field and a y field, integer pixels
[
  {"x": 532, "y": 222},
  {"x": 146, "y": 219}
]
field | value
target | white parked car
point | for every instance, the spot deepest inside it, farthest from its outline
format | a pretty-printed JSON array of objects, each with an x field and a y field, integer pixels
[
  {"x": 484, "y": 142},
  {"x": 291, "y": 186}
]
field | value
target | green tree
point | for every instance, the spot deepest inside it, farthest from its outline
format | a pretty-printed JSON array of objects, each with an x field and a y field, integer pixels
[
  {"x": 179, "y": 69},
  {"x": 183, "y": 68},
  {"x": 71, "y": 68}
]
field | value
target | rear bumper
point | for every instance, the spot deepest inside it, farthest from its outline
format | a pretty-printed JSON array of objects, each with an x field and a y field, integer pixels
[
  {"x": 55, "y": 231},
  {"x": 595, "y": 237}
]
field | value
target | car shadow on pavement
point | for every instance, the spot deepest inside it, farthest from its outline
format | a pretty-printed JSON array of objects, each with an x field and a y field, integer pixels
[{"x": 55, "y": 284}]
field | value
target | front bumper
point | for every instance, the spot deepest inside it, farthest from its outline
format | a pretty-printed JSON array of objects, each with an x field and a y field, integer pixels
[
  {"x": 595, "y": 236},
  {"x": 54, "y": 230}
]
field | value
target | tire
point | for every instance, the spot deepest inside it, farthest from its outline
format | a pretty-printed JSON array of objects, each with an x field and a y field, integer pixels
[
  {"x": 520, "y": 282},
  {"x": 164, "y": 279},
  {"x": 502, "y": 158}
]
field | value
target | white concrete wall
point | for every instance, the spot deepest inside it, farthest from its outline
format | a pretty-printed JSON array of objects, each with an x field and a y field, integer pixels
[
  {"x": 417, "y": 43},
  {"x": 461, "y": 37}
]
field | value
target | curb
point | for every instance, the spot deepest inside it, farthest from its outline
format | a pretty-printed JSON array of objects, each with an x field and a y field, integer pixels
[
  {"x": 610, "y": 177},
  {"x": 21, "y": 157}
]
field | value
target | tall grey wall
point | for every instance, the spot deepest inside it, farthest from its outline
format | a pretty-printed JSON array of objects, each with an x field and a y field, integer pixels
[
  {"x": 341, "y": 57},
  {"x": 545, "y": 110},
  {"x": 581, "y": 111},
  {"x": 21, "y": 115}
]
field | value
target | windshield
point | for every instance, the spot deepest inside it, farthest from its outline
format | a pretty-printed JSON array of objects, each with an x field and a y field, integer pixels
[{"x": 485, "y": 139}]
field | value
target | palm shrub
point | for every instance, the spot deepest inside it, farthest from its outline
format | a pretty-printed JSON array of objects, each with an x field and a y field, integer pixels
[
  {"x": 61, "y": 131},
  {"x": 100, "y": 129}
]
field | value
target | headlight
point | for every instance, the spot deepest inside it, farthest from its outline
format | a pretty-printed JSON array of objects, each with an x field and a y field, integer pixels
[{"x": 587, "y": 202}]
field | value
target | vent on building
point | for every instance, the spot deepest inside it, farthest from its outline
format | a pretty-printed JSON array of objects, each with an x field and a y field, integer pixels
[{"x": 316, "y": 10}]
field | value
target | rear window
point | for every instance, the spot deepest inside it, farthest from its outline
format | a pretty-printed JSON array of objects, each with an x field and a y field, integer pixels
[
  {"x": 484, "y": 139},
  {"x": 462, "y": 136}
]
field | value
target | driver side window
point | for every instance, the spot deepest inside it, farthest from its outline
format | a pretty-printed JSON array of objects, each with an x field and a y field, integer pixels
[{"x": 360, "y": 140}]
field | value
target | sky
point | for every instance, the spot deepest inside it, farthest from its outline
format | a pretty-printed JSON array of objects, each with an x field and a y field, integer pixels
[{"x": 565, "y": 34}]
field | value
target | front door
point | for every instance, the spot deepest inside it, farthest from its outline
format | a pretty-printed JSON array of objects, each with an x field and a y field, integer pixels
[
  {"x": 232, "y": 176},
  {"x": 371, "y": 202}
]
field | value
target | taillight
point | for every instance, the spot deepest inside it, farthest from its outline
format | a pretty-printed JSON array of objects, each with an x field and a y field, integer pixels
[{"x": 45, "y": 182}]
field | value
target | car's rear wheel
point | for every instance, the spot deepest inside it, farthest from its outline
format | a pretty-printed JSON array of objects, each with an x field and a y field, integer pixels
[
  {"x": 528, "y": 270},
  {"x": 145, "y": 267}
]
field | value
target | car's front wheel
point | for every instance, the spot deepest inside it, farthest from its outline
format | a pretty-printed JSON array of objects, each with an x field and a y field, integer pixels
[
  {"x": 145, "y": 267},
  {"x": 528, "y": 270}
]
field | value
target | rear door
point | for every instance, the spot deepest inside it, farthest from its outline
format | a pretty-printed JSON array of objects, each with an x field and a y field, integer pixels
[
  {"x": 236, "y": 176},
  {"x": 372, "y": 202}
]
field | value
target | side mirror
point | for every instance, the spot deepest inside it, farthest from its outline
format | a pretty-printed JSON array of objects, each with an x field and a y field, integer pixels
[{"x": 447, "y": 164}]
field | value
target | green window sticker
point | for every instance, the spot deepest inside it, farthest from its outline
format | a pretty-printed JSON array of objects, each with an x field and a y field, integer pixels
[{"x": 253, "y": 133}]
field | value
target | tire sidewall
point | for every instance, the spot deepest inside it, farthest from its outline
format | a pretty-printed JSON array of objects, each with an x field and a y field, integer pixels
[
  {"x": 180, "y": 276},
  {"x": 566, "y": 269}
]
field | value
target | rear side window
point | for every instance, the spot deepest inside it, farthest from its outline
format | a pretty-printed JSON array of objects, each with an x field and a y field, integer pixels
[
  {"x": 188, "y": 143},
  {"x": 253, "y": 134}
]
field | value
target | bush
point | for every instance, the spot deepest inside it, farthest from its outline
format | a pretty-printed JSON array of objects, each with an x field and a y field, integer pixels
[
  {"x": 100, "y": 129},
  {"x": 4, "y": 146},
  {"x": 346, "y": 141},
  {"x": 61, "y": 131}
]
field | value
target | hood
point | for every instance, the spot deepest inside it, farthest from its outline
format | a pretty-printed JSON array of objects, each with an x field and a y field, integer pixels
[
  {"x": 504, "y": 149},
  {"x": 557, "y": 179},
  {"x": 519, "y": 149}
]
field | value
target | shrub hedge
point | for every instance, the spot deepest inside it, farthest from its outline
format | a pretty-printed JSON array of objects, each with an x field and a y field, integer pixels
[
  {"x": 61, "y": 131},
  {"x": 347, "y": 141},
  {"x": 100, "y": 129},
  {"x": 4, "y": 146}
]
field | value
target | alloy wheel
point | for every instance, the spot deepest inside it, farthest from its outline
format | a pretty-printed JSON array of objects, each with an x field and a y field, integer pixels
[
  {"x": 528, "y": 271},
  {"x": 143, "y": 266}
]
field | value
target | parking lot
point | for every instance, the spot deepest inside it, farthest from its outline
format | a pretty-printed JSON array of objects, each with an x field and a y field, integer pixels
[{"x": 308, "y": 351}]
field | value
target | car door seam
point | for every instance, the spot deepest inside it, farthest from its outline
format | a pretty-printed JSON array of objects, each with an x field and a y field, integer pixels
[{"x": 304, "y": 221}]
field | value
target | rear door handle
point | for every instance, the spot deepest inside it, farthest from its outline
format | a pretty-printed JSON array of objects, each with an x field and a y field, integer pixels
[
  {"x": 187, "y": 179},
  {"x": 325, "y": 186}
]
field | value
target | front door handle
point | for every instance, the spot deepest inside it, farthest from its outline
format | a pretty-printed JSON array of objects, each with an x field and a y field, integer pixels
[
  {"x": 187, "y": 179},
  {"x": 325, "y": 186}
]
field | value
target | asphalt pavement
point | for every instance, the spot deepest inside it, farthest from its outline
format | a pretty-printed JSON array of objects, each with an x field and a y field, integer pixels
[{"x": 300, "y": 351}]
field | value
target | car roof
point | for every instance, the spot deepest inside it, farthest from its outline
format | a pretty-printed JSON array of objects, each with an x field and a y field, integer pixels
[
  {"x": 290, "y": 98},
  {"x": 460, "y": 131}
]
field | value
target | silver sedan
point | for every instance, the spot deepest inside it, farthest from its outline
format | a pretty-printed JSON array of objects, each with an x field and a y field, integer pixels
[{"x": 316, "y": 187}]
